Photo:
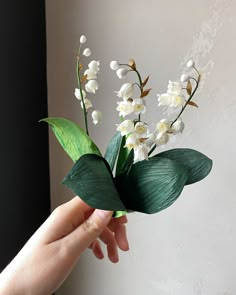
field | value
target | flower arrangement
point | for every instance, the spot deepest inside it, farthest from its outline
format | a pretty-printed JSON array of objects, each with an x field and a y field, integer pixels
[{"x": 128, "y": 177}]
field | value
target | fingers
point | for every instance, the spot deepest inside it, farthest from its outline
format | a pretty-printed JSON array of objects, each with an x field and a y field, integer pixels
[
  {"x": 97, "y": 249},
  {"x": 85, "y": 234},
  {"x": 119, "y": 229},
  {"x": 107, "y": 237}
]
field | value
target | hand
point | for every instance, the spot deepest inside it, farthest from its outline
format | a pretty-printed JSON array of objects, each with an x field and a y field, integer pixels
[{"x": 51, "y": 253}]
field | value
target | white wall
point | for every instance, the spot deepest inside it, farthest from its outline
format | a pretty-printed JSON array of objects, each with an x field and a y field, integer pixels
[{"x": 188, "y": 249}]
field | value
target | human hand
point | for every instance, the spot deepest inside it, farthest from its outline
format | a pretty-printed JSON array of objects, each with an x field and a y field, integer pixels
[{"x": 51, "y": 253}]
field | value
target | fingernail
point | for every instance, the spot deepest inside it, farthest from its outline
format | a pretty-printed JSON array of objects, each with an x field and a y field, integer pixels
[{"x": 104, "y": 214}]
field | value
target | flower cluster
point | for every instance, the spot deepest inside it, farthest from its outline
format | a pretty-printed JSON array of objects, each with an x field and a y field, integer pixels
[
  {"x": 138, "y": 136},
  {"x": 87, "y": 83}
]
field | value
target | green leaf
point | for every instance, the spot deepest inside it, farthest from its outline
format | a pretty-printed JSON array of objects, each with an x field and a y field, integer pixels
[
  {"x": 152, "y": 185},
  {"x": 113, "y": 150},
  {"x": 72, "y": 138},
  {"x": 91, "y": 179},
  {"x": 198, "y": 165},
  {"x": 122, "y": 157}
]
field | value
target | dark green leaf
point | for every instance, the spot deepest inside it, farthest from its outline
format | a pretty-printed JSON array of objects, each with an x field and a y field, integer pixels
[
  {"x": 113, "y": 150},
  {"x": 72, "y": 138},
  {"x": 198, "y": 165},
  {"x": 91, "y": 179},
  {"x": 122, "y": 157},
  {"x": 152, "y": 185}
]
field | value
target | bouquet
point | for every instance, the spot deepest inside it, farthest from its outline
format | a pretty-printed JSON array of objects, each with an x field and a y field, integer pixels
[{"x": 129, "y": 177}]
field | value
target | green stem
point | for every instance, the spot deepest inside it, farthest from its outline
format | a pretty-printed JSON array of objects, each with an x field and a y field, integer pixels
[{"x": 82, "y": 98}]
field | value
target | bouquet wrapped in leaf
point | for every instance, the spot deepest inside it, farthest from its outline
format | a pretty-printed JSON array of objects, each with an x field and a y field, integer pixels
[{"x": 128, "y": 177}]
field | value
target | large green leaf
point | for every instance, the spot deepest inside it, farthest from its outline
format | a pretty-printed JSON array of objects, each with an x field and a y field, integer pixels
[
  {"x": 198, "y": 165},
  {"x": 122, "y": 157},
  {"x": 113, "y": 149},
  {"x": 91, "y": 179},
  {"x": 152, "y": 185},
  {"x": 72, "y": 138}
]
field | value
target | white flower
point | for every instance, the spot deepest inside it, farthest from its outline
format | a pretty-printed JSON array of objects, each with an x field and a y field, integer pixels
[
  {"x": 164, "y": 99},
  {"x": 126, "y": 127},
  {"x": 177, "y": 127},
  {"x": 190, "y": 64},
  {"x": 177, "y": 101},
  {"x": 132, "y": 141},
  {"x": 78, "y": 94},
  {"x": 184, "y": 78},
  {"x": 114, "y": 65},
  {"x": 83, "y": 39},
  {"x": 174, "y": 88},
  {"x": 126, "y": 91},
  {"x": 150, "y": 140},
  {"x": 121, "y": 73},
  {"x": 163, "y": 125},
  {"x": 97, "y": 116},
  {"x": 140, "y": 129},
  {"x": 125, "y": 108},
  {"x": 162, "y": 138},
  {"x": 139, "y": 106},
  {"x": 94, "y": 66},
  {"x": 90, "y": 74},
  {"x": 91, "y": 86},
  {"x": 87, "y": 52},
  {"x": 87, "y": 104},
  {"x": 140, "y": 153}
]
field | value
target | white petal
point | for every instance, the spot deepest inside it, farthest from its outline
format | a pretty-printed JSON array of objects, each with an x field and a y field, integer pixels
[
  {"x": 78, "y": 94},
  {"x": 184, "y": 78},
  {"x": 94, "y": 66},
  {"x": 114, "y": 65},
  {"x": 125, "y": 108},
  {"x": 90, "y": 74},
  {"x": 190, "y": 63},
  {"x": 97, "y": 116},
  {"x": 126, "y": 91},
  {"x": 87, "y": 52},
  {"x": 163, "y": 125},
  {"x": 121, "y": 73},
  {"x": 162, "y": 138},
  {"x": 83, "y": 39},
  {"x": 126, "y": 127},
  {"x": 91, "y": 86},
  {"x": 131, "y": 141},
  {"x": 87, "y": 104},
  {"x": 140, "y": 129},
  {"x": 140, "y": 153}
]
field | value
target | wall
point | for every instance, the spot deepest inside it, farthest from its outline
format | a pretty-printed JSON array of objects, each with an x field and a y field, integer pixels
[{"x": 188, "y": 248}]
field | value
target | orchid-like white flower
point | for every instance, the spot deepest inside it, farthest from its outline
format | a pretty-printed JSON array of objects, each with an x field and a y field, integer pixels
[
  {"x": 87, "y": 103},
  {"x": 162, "y": 138},
  {"x": 114, "y": 65},
  {"x": 184, "y": 78},
  {"x": 164, "y": 99},
  {"x": 177, "y": 101},
  {"x": 177, "y": 127},
  {"x": 173, "y": 97},
  {"x": 140, "y": 153},
  {"x": 131, "y": 141},
  {"x": 87, "y": 52},
  {"x": 78, "y": 93},
  {"x": 190, "y": 64},
  {"x": 125, "y": 108},
  {"x": 140, "y": 129},
  {"x": 126, "y": 91},
  {"x": 83, "y": 39},
  {"x": 91, "y": 86},
  {"x": 139, "y": 106},
  {"x": 94, "y": 66},
  {"x": 174, "y": 88},
  {"x": 96, "y": 116},
  {"x": 163, "y": 125},
  {"x": 126, "y": 127},
  {"x": 121, "y": 73},
  {"x": 90, "y": 74}
]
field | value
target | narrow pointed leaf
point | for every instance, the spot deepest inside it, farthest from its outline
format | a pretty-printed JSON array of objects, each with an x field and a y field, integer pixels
[
  {"x": 189, "y": 88},
  {"x": 192, "y": 103},
  {"x": 145, "y": 81},
  {"x": 90, "y": 178},
  {"x": 112, "y": 150},
  {"x": 72, "y": 138},
  {"x": 198, "y": 165},
  {"x": 145, "y": 92},
  {"x": 152, "y": 185}
]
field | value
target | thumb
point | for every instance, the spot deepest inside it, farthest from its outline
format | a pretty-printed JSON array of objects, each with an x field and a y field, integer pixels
[{"x": 89, "y": 230}]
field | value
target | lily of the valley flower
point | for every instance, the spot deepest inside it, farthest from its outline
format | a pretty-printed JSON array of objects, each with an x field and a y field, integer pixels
[
  {"x": 126, "y": 127},
  {"x": 91, "y": 86},
  {"x": 173, "y": 97},
  {"x": 94, "y": 66},
  {"x": 87, "y": 52},
  {"x": 87, "y": 103},
  {"x": 184, "y": 78},
  {"x": 78, "y": 94},
  {"x": 96, "y": 116},
  {"x": 177, "y": 127},
  {"x": 140, "y": 129},
  {"x": 90, "y": 74},
  {"x": 83, "y": 39},
  {"x": 121, "y": 73},
  {"x": 163, "y": 125},
  {"x": 190, "y": 64},
  {"x": 139, "y": 106},
  {"x": 114, "y": 65},
  {"x": 174, "y": 88},
  {"x": 125, "y": 108},
  {"x": 140, "y": 153},
  {"x": 132, "y": 141},
  {"x": 126, "y": 91},
  {"x": 162, "y": 138}
]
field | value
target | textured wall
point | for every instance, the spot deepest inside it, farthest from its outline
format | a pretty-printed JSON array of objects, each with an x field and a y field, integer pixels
[{"x": 188, "y": 248}]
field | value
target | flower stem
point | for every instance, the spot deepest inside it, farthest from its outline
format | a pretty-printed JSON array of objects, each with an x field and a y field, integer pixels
[{"x": 82, "y": 97}]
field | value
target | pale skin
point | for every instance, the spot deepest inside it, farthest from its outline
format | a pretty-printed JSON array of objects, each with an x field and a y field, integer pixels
[{"x": 51, "y": 253}]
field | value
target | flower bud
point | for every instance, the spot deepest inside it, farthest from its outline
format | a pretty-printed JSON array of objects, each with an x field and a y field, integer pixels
[
  {"x": 126, "y": 91},
  {"x": 114, "y": 65},
  {"x": 94, "y": 66},
  {"x": 184, "y": 78},
  {"x": 83, "y": 39},
  {"x": 78, "y": 93},
  {"x": 121, "y": 73},
  {"x": 97, "y": 116},
  {"x": 91, "y": 86},
  {"x": 162, "y": 138},
  {"x": 87, "y": 104},
  {"x": 190, "y": 63},
  {"x": 163, "y": 125},
  {"x": 87, "y": 52}
]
